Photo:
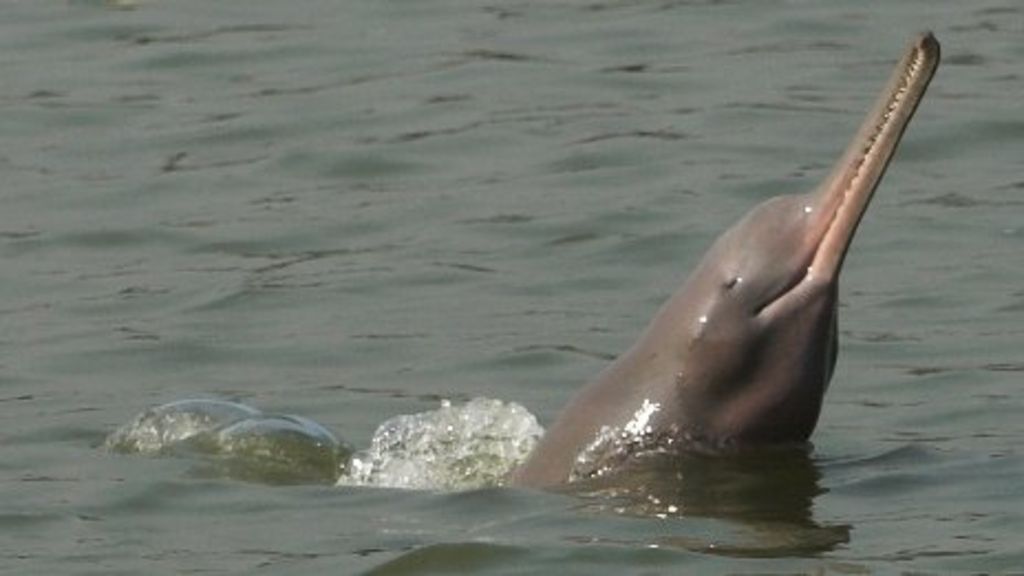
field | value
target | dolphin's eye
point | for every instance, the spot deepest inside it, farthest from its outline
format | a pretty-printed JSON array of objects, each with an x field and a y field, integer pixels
[{"x": 733, "y": 282}]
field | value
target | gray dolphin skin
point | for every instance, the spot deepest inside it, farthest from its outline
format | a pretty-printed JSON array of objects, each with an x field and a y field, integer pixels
[{"x": 742, "y": 353}]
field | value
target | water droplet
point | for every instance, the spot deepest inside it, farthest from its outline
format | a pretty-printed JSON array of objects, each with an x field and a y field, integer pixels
[{"x": 808, "y": 209}]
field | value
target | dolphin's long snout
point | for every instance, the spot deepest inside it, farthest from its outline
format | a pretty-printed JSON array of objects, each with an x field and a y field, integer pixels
[{"x": 844, "y": 196}]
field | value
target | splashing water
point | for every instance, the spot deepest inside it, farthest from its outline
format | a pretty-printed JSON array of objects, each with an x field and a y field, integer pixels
[
  {"x": 161, "y": 429},
  {"x": 454, "y": 447},
  {"x": 451, "y": 448},
  {"x": 612, "y": 445},
  {"x": 237, "y": 441}
]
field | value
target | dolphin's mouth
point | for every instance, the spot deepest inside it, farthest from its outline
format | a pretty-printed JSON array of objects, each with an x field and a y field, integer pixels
[
  {"x": 848, "y": 191},
  {"x": 838, "y": 206}
]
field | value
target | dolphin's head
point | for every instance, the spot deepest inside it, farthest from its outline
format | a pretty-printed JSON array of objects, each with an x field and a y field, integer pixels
[
  {"x": 755, "y": 330},
  {"x": 743, "y": 352},
  {"x": 758, "y": 349}
]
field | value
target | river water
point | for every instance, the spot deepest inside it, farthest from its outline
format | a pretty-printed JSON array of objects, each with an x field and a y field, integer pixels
[{"x": 354, "y": 210}]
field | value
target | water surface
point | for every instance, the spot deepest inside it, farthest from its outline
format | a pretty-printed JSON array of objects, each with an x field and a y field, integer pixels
[{"x": 350, "y": 211}]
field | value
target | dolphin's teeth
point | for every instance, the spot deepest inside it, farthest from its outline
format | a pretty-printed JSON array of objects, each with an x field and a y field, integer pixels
[{"x": 912, "y": 70}]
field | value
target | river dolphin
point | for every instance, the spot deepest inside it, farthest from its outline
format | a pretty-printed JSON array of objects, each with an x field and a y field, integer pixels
[{"x": 742, "y": 353}]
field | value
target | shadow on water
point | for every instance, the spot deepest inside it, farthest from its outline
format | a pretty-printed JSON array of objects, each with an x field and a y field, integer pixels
[
  {"x": 766, "y": 496},
  {"x": 757, "y": 504}
]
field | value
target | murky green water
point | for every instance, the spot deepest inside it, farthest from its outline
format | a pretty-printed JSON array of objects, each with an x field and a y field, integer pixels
[{"x": 351, "y": 210}]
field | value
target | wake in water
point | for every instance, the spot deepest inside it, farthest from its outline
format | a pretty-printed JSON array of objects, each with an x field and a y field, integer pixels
[
  {"x": 768, "y": 494},
  {"x": 473, "y": 445}
]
